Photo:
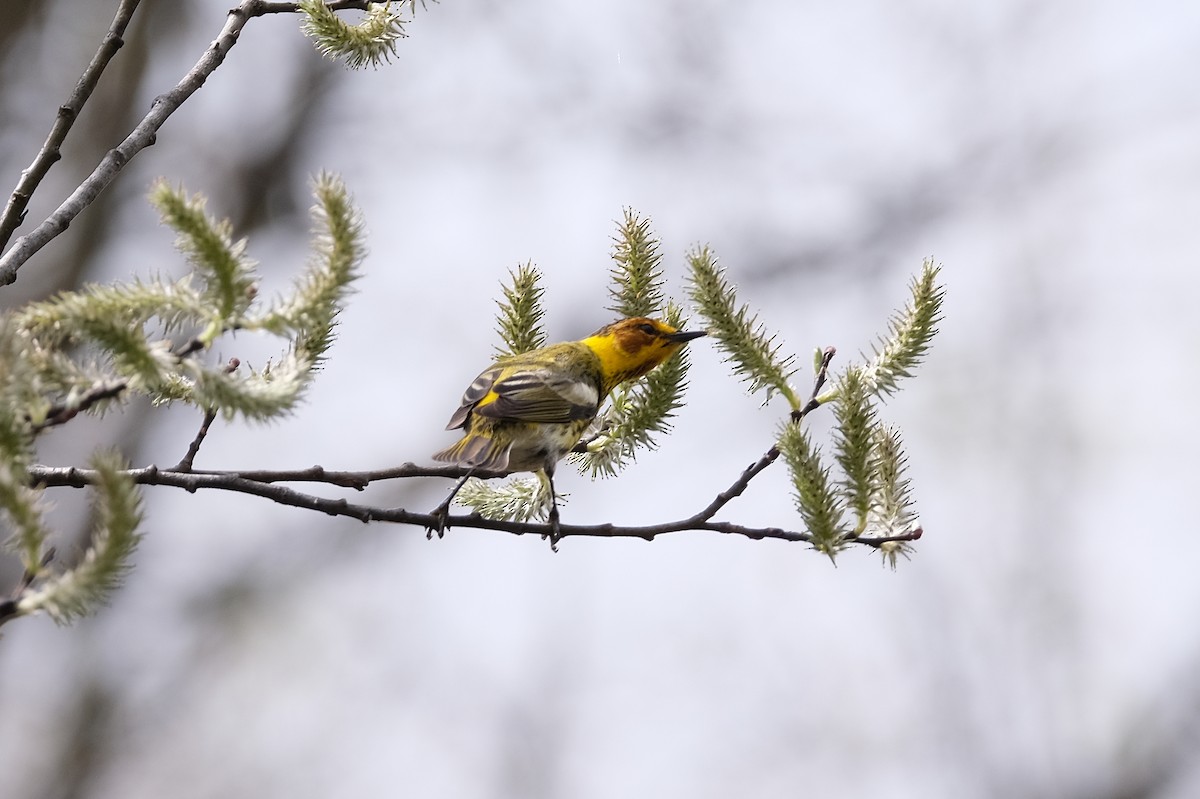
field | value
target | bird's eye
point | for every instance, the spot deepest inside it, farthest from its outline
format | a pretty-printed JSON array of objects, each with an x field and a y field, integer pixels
[{"x": 648, "y": 329}]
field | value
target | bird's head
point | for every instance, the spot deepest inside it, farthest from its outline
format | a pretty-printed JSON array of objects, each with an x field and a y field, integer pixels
[{"x": 629, "y": 348}]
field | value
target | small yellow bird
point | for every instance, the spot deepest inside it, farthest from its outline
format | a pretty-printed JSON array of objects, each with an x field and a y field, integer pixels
[{"x": 526, "y": 411}]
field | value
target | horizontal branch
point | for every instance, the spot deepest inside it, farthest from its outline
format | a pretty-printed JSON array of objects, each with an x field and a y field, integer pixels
[
  {"x": 144, "y": 134},
  {"x": 356, "y": 480},
  {"x": 258, "y": 8},
  {"x": 239, "y": 482}
]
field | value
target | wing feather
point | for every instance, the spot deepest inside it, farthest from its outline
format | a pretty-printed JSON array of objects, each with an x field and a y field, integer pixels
[
  {"x": 474, "y": 393},
  {"x": 539, "y": 395}
]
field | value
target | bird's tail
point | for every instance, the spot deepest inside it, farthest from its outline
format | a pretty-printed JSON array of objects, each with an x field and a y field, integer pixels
[{"x": 478, "y": 452}]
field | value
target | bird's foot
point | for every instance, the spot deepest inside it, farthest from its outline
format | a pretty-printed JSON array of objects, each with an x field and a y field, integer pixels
[
  {"x": 555, "y": 533},
  {"x": 441, "y": 514},
  {"x": 441, "y": 520}
]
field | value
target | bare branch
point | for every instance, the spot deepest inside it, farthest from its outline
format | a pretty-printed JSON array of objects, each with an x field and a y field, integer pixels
[
  {"x": 185, "y": 463},
  {"x": 143, "y": 135},
  {"x": 770, "y": 456},
  {"x": 66, "y": 411},
  {"x": 210, "y": 415},
  {"x": 260, "y": 8},
  {"x": 9, "y": 608},
  {"x": 68, "y": 112},
  {"x": 358, "y": 480},
  {"x": 233, "y": 481}
]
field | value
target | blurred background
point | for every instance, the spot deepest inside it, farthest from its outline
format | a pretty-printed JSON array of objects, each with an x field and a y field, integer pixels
[{"x": 1042, "y": 642}]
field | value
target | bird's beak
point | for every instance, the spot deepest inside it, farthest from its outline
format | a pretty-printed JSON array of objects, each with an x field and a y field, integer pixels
[{"x": 685, "y": 335}]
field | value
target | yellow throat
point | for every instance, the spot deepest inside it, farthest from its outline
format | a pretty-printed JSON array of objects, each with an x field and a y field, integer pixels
[{"x": 632, "y": 347}]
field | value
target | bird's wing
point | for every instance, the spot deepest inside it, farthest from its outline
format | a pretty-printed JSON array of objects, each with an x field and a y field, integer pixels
[
  {"x": 534, "y": 395},
  {"x": 474, "y": 393}
]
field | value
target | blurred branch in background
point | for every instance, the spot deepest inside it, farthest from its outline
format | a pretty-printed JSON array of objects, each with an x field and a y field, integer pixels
[
  {"x": 68, "y": 112},
  {"x": 141, "y": 137},
  {"x": 115, "y": 95}
]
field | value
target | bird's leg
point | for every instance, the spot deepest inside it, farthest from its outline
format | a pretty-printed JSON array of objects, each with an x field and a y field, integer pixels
[
  {"x": 441, "y": 514},
  {"x": 546, "y": 476}
]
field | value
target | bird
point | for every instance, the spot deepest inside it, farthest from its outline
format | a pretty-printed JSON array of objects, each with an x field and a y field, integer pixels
[{"x": 526, "y": 411}]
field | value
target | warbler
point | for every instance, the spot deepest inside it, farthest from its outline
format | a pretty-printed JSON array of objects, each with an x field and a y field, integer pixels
[{"x": 526, "y": 411}]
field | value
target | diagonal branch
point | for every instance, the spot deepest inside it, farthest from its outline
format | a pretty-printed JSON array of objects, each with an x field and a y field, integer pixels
[
  {"x": 143, "y": 135},
  {"x": 210, "y": 416},
  {"x": 771, "y": 455},
  {"x": 68, "y": 112},
  {"x": 189, "y": 457},
  {"x": 64, "y": 412},
  {"x": 9, "y": 608}
]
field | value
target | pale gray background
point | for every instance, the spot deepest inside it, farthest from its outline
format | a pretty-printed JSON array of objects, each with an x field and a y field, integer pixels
[{"x": 1043, "y": 642}]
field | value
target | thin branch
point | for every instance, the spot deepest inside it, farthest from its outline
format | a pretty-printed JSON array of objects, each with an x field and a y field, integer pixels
[
  {"x": 10, "y": 608},
  {"x": 210, "y": 415},
  {"x": 66, "y": 411},
  {"x": 771, "y": 455},
  {"x": 190, "y": 346},
  {"x": 68, "y": 112},
  {"x": 185, "y": 463},
  {"x": 63, "y": 412},
  {"x": 193, "y": 481},
  {"x": 818, "y": 384},
  {"x": 262, "y": 7},
  {"x": 143, "y": 135},
  {"x": 356, "y": 480}
]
